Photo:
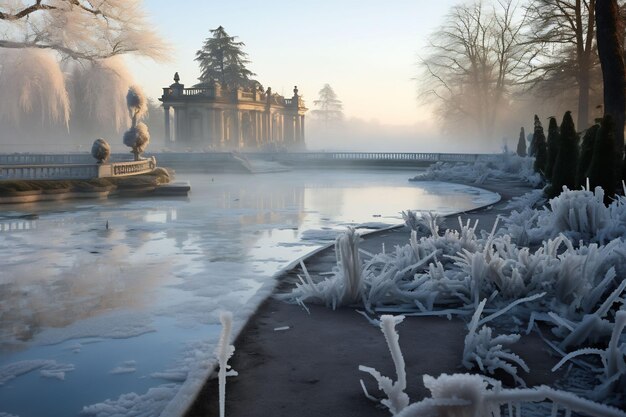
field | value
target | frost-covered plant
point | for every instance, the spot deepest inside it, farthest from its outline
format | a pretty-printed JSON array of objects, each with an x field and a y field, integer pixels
[
  {"x": 580, "y": 215},
  {"x": 614, "y": 365},
  {"x": 427, "y": 222},
  {"x": 137, "y": 137},
  {"x": 502, "y": 167},
  {"x": 396, "y": 399},
  {"x": 488, "y": 352},
  {"x": 344, "y": 287},
  {"x": 349, "y": 264},
  {"x": 223, "y": 353},
  {"x": 411, "y": 220},
  {"x": 466, "y": 395}
]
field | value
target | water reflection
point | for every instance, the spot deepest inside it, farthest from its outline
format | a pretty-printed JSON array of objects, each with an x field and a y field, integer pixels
[{"x": 180, "y": 260}]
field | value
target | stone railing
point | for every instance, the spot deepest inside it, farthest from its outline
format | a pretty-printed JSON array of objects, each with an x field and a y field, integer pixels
[
  {"x": 121, "y": 169},
  {"x": 48, "y": 172},
  {"x": 74, "y": 171},
  {"x": 38, "y": 159},
  {"x": 380, "y": 156}
]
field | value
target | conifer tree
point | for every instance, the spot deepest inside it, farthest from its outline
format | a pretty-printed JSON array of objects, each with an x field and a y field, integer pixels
[
  {"x": 553, "y": 147},
  {"x": 538, "y": 146},
  {"x": 601, "y": 171},
  {"x": 564, "y": 173},
  {"x": 521, "y": 143},
  {"x": 586, "y": 153},
  {"x": 222, "y": 59},
  {"x": 329, "y": 108}
]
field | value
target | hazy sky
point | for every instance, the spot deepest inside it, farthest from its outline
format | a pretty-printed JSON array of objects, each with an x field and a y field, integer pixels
[{"x": 366, "y": 50}]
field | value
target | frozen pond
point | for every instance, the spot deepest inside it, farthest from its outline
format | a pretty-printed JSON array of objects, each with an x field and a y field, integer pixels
[{"x": 97, "y": 321}]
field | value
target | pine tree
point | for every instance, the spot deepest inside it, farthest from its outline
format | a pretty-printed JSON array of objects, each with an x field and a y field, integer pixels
[
  {"x": 601, "y": 171},
  {"x": 329, "y": 107},
  {"x": 553, "y": 147},
  {"x": 586, "y": 153},
  {"x": 564, "y": 173},
  {"x": 538, "y": 145},
  {"x": 222, "y": 59},
  {"x": 521, "y": 143}
]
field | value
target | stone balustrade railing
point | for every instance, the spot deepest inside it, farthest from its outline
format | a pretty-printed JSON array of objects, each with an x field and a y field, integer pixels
[{"x": 68, "y": 171}]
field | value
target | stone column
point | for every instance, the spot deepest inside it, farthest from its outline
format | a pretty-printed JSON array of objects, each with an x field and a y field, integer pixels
[
  {"x": 302, "y": 129},
  {"x": 238, "y": 130},
  {"x": 298, "y": 129},
  {"x": 257, "y": 128},
  {"x": 220, "y": 129},
  {"x": 268, "y": 126},
  {"x": 168, "y": 133},
  {"x": 180, "y": 121},
  {"x": 213, "y": 140}
]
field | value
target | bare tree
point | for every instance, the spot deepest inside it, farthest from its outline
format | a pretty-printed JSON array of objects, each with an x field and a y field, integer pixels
[
  {"x": 474, "y": 60},
  {"x": 564, "y": 31}
]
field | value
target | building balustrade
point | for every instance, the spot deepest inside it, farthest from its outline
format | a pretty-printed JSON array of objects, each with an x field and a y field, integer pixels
[{"x": 60, "y": 171}]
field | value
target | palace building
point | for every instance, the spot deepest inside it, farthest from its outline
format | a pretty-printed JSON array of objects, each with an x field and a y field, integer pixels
[{"x": 212, "y": 118}]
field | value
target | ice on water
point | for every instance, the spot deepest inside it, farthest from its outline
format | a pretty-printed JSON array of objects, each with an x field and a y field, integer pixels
[{"x": 135, "y": 307}]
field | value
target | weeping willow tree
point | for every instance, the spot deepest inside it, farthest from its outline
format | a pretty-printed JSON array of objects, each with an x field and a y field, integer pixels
[{"x": 43, "y": 39}]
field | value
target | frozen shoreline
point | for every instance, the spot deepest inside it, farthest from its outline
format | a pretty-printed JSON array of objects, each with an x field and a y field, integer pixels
[{"x": 321, "y": 371}]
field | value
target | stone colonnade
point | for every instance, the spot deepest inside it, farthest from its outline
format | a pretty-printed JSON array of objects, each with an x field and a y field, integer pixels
[{"x": 232, "y": 128}]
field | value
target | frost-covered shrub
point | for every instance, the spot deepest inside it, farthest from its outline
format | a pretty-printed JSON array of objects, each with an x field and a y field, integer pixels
[
  {"x": 488, "y": 352},
  {"x": 426, "y": 222},
  {"x": 503, "y": 167},
  {"x": 344, "y": 287},
  {"x": 466, "y": 395},
  {"x": 580, "y": 215}
]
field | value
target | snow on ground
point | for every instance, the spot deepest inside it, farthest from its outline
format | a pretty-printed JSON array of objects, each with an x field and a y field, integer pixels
[{"x": 124, "y": 321}]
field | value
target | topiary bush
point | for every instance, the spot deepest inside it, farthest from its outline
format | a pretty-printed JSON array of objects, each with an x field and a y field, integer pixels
[
  {"x": 586, "y": 152},
  {"x": 539, "y": 145},
  {"x": 521, "y": 143},
  {"x": 553, "y": 147},
  {"x": 601, "y": 169},
  {"x": 564, "y": 173}
]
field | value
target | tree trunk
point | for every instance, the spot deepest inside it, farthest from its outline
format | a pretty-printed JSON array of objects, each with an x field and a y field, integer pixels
[
  {"x": 583, "y": 98},
  {"x": 610, "y": 51}
]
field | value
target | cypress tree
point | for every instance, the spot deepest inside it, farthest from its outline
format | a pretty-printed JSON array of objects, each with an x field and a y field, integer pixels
[
  {"x": 586, "y": 153},
  {"x": 553, "y": 147},
  {"x": 532, "y": 150},
  {"x": 539, "y": 145},
  {"x": 601, "y": 171},
  {"x": 521, "y": 143},
  {"x": 564, "y": 173}
]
